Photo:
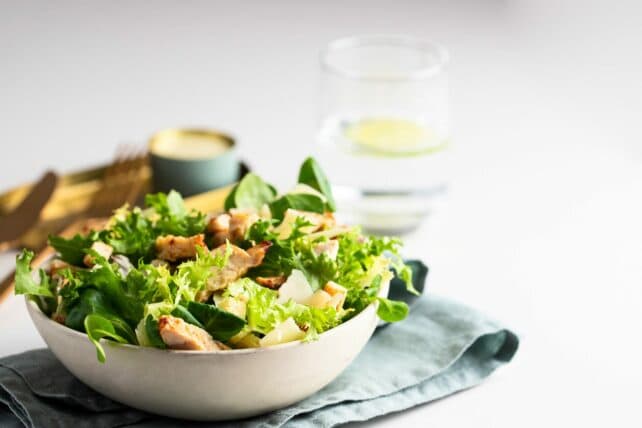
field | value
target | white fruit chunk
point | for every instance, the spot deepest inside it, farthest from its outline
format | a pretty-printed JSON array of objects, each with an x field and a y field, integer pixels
[
  {"x": 319, "y": 299},
  {"x": 296, "y": 288},
  {"x": 329, "y": 248},
  {"x": 289, "y": 220},
  {"x": 285, "y": 332}
]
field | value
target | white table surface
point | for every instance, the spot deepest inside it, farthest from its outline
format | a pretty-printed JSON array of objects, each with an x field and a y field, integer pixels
[{"x": 543, "y": 227}]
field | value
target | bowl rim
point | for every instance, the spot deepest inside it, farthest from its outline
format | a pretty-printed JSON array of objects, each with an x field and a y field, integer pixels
[
  {"x": 210, "y": 134},
  {"x": 34, "y": 309}
]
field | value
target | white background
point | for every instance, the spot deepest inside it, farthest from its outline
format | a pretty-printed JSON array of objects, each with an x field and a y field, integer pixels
[{"x": 543, "y": 226}]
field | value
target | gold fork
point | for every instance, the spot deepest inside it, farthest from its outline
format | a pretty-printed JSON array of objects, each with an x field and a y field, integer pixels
[{"x": 121, "y": 184}]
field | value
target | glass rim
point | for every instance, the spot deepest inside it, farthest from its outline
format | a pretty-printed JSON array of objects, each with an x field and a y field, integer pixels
[{"x": 383, "y": 40}]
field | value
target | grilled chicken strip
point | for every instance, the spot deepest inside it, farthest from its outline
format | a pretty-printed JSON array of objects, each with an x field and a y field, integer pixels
[
  {"x": 232, "y": 226},
  {"x": 102, "y": 249},
  {"x": 272, "y": 282},
  {"x": 219, "y": 227},
  {"x": 177, "y": 334},
  {"x": 240, "y": 223},
  {"x": 173, "y": 248},
  {"x": 238, "y": 263}
]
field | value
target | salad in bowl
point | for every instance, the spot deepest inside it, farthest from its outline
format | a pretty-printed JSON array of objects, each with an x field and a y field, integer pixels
[{"x": 272, "y": 268}]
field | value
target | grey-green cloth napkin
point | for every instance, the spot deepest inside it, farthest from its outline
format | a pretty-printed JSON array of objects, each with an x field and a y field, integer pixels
[{"x": 441, "y": 348}]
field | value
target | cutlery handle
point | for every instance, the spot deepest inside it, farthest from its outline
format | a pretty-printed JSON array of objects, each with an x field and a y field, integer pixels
[
  {"x": 6, "y": 286},
  {"x": 8, "y": 245}
]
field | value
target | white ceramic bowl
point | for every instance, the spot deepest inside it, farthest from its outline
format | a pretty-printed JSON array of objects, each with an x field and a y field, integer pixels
[{"x": 209, "y": 385}]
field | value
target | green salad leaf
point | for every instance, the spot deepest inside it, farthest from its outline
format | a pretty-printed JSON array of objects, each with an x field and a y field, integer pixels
[
  {"x": 391, "y": 310},
  {"x": 312, "y": 175},
  {"x": 72, "y": 250},
  {"x": 250, "y": 193},
  {"x": 220, "y": 324},
  {"x": 174, "y": 218},
  {"x": 132, "y": 234},
  {"x": 297, "y": 201},
  {"x": 182, "y": 313},
  {"x": 25, "y": 284},
  {"x": 152, "y": 333},
  {"x": 98, "y": 327},
  {"x": 264, "y": 313}
]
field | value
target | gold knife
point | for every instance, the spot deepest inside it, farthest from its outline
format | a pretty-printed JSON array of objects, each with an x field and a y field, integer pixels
[{"x": 26, "y": 215}]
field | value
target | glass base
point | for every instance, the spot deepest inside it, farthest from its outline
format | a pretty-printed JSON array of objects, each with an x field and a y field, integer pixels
[{"x": 388, "y": 212}]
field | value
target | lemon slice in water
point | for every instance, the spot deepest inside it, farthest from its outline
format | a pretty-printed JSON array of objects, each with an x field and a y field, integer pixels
[{"x": 393, "y": 136}]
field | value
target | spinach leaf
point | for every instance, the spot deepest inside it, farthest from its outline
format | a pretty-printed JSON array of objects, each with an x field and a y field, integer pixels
[
  {"x": 391, "y": 310},
  {"x": 251, "y": 193},
  {"x": 98, "y": 327},
  {"x": 230, "y": 200},
  {"x": 153, "y": 335},
  {"x": 90, "y": 301},
  {"x": 312, "y": 175},
  {"x": 73, "y": 250},
  {"x": 182, "y": 313},
  {"x": 106, "y": 278},
  {"x": 25, "y": 284},
  {"x": 93, "y": 314},
  {"x": 220, "y": 324},
  {"x": 297, "y": 201}
]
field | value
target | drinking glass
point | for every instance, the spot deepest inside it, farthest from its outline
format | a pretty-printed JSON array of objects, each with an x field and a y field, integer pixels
[{"x": 384, "y": 129}]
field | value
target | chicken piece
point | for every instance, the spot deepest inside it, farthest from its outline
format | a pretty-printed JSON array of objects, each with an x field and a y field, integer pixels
[
  {"x": 177, "y": 334},
  {"x": 329, "y": 248},
  {"x": 272, "y": 282},
  {"x": 338, "y": 294},
  {"x": 124, "y": 265},
  {"x": 232, "y": 226},
  {"x": 257, "y": 252},
  {"x": 328, "y": 221},
  {"x": 102, "y": 249},
  {"x": 173, "y": 248},
  {"x": 219, "y": 223},
  {"x": 238, "y": 263},
  {"x": 240, "y": 223},
  {"x": 219, "y": 227},
  {"x": 56, "y": 266}
]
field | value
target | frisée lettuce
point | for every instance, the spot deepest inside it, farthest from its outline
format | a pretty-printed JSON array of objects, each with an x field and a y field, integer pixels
[{"x": 272, "y": 268}]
